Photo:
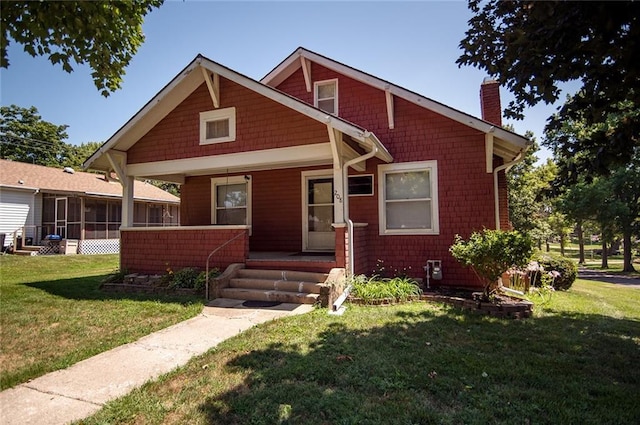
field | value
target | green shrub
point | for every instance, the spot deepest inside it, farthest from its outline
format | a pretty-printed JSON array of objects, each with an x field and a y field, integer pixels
[
  {"x": 375, "y": 288},
  {"x": 184, "y": 278},
  {"x": 491, "y": 253},
  {"x": 566, "y": 267},
  {"x": 201, "y": 280}
]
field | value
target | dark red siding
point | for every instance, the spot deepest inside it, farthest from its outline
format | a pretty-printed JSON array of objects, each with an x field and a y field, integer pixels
[
  {"x": 156, "y": 250},
  {"x": 260, "y": 124},
  {"x": 466, "y": 199}
]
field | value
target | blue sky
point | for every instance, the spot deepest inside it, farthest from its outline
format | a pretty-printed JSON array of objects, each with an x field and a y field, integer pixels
[{"x": 412, "y": 44}]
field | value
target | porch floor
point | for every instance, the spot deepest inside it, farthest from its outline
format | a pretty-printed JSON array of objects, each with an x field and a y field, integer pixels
[{"x": 293, "y": 256}]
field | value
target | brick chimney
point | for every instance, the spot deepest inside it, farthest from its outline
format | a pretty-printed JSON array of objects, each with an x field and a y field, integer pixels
[{"x": 490, "y": 101}]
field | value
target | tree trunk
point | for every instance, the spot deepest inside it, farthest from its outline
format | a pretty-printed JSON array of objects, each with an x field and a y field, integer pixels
[
  {"x": 563, "y": 242},
  {"x": 580, "y": 243},
  {"x": 615, "y": 246},
  {"x": 605, "y": 261},
  {"x": 547, "y": 243},
  {"x": 628, "y": 258}
]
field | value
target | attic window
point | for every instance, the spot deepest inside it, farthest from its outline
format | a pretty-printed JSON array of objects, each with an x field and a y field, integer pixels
[
  {"x": 218, "y": 126},
  {"x": 326, "y": 96}
]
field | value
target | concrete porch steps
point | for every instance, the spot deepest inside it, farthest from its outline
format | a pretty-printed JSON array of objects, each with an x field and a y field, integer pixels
[{"x": 275, "y": 285}]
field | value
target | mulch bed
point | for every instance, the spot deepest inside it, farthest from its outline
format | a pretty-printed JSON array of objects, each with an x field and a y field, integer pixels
[{"x": 501, "y": 306}]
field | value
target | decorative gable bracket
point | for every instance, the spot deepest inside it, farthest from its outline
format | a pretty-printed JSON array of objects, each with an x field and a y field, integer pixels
[
  {"x": 390, "y": 111},
  {"x": 213, "y": 84},
  {"x": 306, "y": 71}
]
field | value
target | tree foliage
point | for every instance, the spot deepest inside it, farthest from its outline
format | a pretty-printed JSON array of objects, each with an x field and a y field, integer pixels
[
  {"x": 531, "y": 47},
  {"x": 26, "y": 137},
  {"x": 104, "y": 35},
  {"x": 530, "y": 202}
]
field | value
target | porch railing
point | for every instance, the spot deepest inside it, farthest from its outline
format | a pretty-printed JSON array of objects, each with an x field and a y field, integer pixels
[{"x": 211, "y": 255}]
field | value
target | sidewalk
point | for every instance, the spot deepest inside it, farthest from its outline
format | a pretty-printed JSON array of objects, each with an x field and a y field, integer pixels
[
  {"x": 604, "y": 276},
  {"x": 82, "y": 389}
]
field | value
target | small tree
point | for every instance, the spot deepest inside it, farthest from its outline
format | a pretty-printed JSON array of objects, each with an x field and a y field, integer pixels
[{"x": 491, "y": 253}]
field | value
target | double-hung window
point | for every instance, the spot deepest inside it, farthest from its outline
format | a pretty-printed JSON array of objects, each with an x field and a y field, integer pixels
[
  {"x": 218, "y": 126},
  {"x": 231, "y": 199},
  {"x": 326, "y": 96},
  {"x": 408, "y": 198}
]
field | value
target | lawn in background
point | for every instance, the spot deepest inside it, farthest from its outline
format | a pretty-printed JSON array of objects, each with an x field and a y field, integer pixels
[
  {"x": 53, "y": 314},
  {"x": 576, "y": 362},
  {"x": 593, "y": 260}
]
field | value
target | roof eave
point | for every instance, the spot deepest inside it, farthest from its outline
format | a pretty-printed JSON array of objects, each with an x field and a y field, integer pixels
[{"x": 124, "y": 133}]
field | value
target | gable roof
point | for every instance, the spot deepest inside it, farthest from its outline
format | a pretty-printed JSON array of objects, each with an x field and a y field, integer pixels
[
  {"x": 20, "y": 175},
  {"x": 508, "y": 143},
  {"x": 189, "y": 79}
]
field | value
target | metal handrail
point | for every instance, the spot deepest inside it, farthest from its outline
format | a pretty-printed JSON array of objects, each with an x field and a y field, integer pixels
[{"x": 209, "y": 258}]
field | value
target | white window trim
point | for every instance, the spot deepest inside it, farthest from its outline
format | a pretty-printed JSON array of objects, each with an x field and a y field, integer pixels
[
  {"x": 218, "y": 115},
  {"x": 223, "y": 181},
  {"x": 432, "y": 167},
  {"x": 316, "y": 84}
]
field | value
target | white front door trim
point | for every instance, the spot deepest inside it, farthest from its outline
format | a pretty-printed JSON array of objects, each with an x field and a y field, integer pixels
[{"x": 305, "y": 177}]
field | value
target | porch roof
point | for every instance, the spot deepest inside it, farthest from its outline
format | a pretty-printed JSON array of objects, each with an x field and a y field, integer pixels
[{"x": 189, "y": 79}]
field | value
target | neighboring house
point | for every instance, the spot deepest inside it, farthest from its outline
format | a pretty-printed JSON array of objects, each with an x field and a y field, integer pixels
[
  {"x": 37, "y": 201},
  {"x": 317, "y": 157}
]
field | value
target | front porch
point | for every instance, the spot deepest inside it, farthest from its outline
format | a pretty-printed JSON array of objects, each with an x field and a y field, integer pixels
[{"x": 157, "y": 250}]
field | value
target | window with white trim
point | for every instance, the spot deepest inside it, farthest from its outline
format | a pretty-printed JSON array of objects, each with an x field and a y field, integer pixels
[
  {"x": 326, "y": 96},
  {"x": 408, "y": 198},
  {"x": 231, "y": 200},
  {"x": 218, "y": 126}
]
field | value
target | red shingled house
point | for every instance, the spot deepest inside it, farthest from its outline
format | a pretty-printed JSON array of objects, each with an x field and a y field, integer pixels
[{"x": 316, "y": 166}]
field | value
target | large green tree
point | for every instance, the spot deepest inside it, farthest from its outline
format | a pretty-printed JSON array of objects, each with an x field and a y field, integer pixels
[
  {"x": 104, "y": 35},
  {"x": 26, "y": 137},
  {"x": 533, "y": 47},
  {"x": 530, "y": 203}
]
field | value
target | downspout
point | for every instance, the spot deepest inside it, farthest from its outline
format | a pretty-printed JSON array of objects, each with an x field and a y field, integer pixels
[
  {"x": 506, "y": 167},
  {"x": 345, "y": 179}
]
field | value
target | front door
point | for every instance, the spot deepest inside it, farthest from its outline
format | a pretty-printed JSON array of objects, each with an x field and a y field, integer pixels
[{"x": 318, "y": 232}]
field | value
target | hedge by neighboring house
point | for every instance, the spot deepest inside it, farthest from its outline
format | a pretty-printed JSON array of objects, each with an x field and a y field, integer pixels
[{"x": 38, "y": 201}]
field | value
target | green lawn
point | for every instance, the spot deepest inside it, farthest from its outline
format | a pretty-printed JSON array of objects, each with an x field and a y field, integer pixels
[
  {"x": 593, "y": 261},
  {"x": 53, "y": 314},
  {"x": 575, "y": 362}
]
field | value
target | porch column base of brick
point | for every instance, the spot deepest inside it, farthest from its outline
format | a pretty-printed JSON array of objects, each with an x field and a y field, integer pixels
[{"x": 361, "y": 260}]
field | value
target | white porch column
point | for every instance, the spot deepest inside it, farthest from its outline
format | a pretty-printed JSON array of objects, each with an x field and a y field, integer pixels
[
  {"x": 118, "y": 161},
  {"x": 339, "y": 191},
  {"x": 127, "y": 201}
]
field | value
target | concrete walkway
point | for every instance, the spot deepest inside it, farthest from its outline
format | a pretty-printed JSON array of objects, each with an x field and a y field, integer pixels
[{"x": 82, "y": 389}]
